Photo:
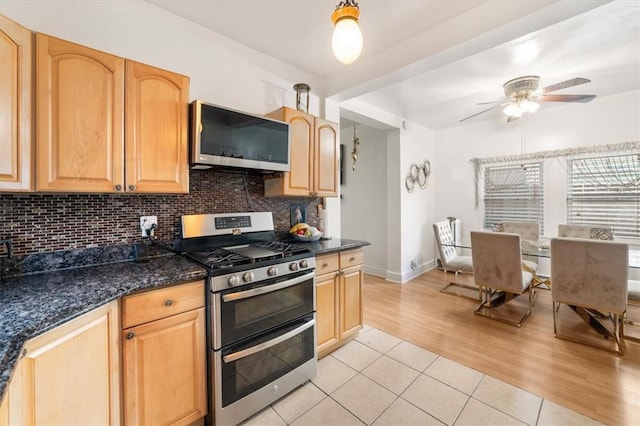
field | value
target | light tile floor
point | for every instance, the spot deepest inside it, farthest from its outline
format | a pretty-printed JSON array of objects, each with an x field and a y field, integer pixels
[{"x": 381, "y": 380}]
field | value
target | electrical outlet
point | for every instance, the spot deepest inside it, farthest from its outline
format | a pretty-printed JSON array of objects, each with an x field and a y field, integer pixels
[{"x": 147, "y": 222}]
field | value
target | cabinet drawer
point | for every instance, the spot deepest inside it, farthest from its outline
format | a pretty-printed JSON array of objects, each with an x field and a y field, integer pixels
[
  {"x": 162, "y": 303},
  {"x": 327, "y": 263},
  {"x": 351, "y": 258}
]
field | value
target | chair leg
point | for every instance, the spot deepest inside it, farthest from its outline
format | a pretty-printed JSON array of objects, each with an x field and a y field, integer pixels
[
  {"x": 488, "y": 305},
  {"x": 617, "y": 331},
  {"x": 446, "y": 289}
]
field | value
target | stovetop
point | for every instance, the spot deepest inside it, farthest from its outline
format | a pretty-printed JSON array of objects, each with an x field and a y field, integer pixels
[{"x": 250, "y": 254}]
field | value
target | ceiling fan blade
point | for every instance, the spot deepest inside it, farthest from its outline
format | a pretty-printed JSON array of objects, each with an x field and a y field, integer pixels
[
  {"x": 564, "y": 84},
  {"x": 490, "y": 102},
  {"x": 566, "y": 98},
  {"x": 481, "y": 112}
]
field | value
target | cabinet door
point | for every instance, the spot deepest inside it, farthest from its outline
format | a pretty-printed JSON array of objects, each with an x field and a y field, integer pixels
[
  {"x": 70, "y": 375},
  {"x": 156, "y": 130},
  {"x": 351, "y": 290},
  {"x": 327, "y": 312},
  {"x": 80, "y": 103},
  {"x": 326, "y": 159},
  {"x": 299, "y": 180},
  {"x": 165, "y": 372},
  {"x": 16, "y": 166}
]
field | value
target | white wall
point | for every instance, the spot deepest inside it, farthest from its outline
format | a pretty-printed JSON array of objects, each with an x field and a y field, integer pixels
[
  {"x": 605, "y": 120},
  {"x": 364, "y": 195},
  {"x": 417, "y": 144}
]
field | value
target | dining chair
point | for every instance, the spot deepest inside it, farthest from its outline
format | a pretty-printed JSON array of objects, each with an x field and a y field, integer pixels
[
  {"x": 497, "y": 271},
  {"x": 529, "y": 231},
  {"x": 593, "y": 232},
  {"x": 450, "y": 259},
  {"x": 591, "y": 276}
]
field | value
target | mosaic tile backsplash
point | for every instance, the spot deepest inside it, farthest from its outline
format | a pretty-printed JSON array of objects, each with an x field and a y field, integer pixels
[{"x": 38, "y": 223}]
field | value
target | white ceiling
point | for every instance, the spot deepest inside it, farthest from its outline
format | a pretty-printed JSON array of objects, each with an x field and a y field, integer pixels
[{"x": 431, "y": 62}]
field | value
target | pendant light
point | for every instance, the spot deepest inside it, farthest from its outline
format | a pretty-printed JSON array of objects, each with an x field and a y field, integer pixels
[{"x": 346, "y": 41}]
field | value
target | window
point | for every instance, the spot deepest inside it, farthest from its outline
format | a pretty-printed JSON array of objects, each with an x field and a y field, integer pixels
[
  {"x": 605, "y": 191},
  {"x": 513, "y": 193}
]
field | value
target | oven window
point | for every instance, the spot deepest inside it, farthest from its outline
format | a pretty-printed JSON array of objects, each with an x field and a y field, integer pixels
[
  {"x": 244, "y": 317},
  {"x": 245, "y": 375}
]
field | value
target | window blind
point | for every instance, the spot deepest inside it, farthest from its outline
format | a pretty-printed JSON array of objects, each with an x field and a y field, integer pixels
[
  {"x": 513, "y": 193},
  {"x": 605, "y": 191}
]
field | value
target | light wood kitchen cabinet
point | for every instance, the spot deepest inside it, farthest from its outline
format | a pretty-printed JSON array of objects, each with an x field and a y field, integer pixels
[
  {"x": 314, "y": 157},
  {"x": 69, "y": 375},
  {"x": 156, "y": 130},
  {"x": 16, "y": 117},
  {"x": 86, "y": 100},
  {"x": 164, "y": 356},
  {"x": 339, "y": 291}
]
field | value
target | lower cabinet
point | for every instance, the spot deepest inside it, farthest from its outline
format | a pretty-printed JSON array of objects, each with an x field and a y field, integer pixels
[
  {"x": 164, "y": 356},
  {"x": 339, "y": 290},
  {"x": 69, "y": 375}
]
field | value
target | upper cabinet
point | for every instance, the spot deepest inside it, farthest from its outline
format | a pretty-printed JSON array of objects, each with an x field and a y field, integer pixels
[
  {"x": 16, "y": 57},
  {"x": 314, "y": 157},
  {"x": 106, "y": 124},
  {"x": 156, "y": 130},
  {"x": 80, "y": 127}
]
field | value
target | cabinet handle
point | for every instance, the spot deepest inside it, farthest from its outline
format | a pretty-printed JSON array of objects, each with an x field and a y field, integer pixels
[
  {"x": 131, "y": 335},
  {"x": 168, "y": 302},
  {"x": 324, "y": 265},
  {"x": 132, "y": 187},
  {"x": 352, "y": 259},
  {"x": 118, "y": 187}
]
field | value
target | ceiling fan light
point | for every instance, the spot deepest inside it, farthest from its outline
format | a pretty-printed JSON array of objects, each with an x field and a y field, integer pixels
[
  {"x": 513, "y": 110},
  {"x": 529, "y": 106},
  {"x": 346, "y": 41}
]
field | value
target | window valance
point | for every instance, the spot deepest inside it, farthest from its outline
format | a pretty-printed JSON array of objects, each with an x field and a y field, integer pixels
[{"x": 578, "y": 152}]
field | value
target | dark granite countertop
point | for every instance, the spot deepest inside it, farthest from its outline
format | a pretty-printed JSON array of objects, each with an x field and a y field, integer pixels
[
  {"x": 333, "y": 245},
  {"x": 35, "y": 303},
  {"x": 32, "y": 303}
]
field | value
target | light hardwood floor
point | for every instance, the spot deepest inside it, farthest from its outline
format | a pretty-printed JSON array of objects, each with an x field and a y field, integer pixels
[{"x": 593, "y": 382}]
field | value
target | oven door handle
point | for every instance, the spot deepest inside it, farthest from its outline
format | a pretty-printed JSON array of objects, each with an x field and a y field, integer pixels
[
  {"x": 266, "y": 289},
  {"x": 266, "y": 345}
]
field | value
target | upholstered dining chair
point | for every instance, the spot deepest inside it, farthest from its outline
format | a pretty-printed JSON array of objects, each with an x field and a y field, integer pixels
[
  {"x": 593, "y": 232},
  {"x": 591, "y": 276},
  {"x": 449, "y": 257},
  {"x": 497, "y": 271},
  {"x": 529, "y": 231}
]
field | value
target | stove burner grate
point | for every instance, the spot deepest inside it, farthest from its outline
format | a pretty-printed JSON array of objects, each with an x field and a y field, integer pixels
[
  {"x": 287, "y": 249},
  {"x": 221, "y": 258}
]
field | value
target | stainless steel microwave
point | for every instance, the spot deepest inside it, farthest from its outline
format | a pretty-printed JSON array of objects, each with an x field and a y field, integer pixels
[{"x": 221, "y": 137}]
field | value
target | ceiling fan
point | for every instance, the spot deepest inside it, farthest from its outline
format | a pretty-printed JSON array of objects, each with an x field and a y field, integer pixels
[{"x": 522, "y": 95}]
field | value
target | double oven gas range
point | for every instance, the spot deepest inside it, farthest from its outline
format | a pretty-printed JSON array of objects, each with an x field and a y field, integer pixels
[{"x": 261, "y": 311}]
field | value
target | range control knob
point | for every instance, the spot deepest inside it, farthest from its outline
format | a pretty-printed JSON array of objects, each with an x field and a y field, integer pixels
[
  {"x": 272, "y": 271},
  {"x": 293, "y": 266},
  {"x": 233, "y": 280},
  {"x": 247, "y": 277},
  {"x": 304, "y": 264}
]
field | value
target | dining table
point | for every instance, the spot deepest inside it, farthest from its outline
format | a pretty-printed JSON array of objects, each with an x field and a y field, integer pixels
[{"x": 540, "y": 249}]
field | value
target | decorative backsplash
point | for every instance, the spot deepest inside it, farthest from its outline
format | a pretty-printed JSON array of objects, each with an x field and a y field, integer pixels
[{"x": 49, "y": 222}]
